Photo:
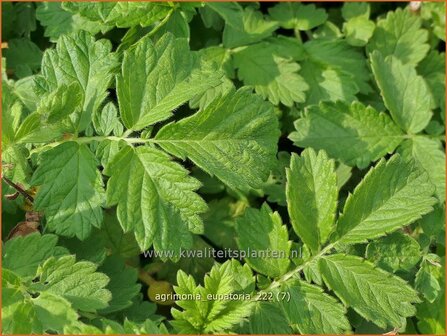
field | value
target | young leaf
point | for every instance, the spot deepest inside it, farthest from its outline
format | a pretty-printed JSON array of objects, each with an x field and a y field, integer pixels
[
  {"x": 354, "y": 134},
  {"x": 228, "y": 139},
  {"x": 311, "y": 311},
  {"x": 23, "y": 255},
  {"x": 378, "y": 296},
  {"x": 78, "y": 282},
  {"x": 79, "y": 58},
  {"x": 311, "y": 191},
  {"x": 405, "y": 94},
  {"x": 400, "y": 35},
  {"x": 157, "y": 78},
  {"x": 375, "y": 209},
  {"x": 204, "y": 313},
  {"x": 71, "y": 190},
  {"x": 158, "y": 203},
  {"x": 298, "y": 16},
  {"x": 271, "y": 73},
  {"x": 262, "y": 230}
]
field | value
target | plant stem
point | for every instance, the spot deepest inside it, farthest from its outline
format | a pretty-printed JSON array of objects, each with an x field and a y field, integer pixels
[
  {"x": 295, "y": 271},
  {"x": 18, "y": 188}
]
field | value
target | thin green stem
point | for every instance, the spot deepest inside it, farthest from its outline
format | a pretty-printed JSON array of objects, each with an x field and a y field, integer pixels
[{"x": 295, "y": 271}]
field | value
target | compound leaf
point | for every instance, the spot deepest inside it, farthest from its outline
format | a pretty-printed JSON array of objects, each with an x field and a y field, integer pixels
[{"x": 209, "y": 311}]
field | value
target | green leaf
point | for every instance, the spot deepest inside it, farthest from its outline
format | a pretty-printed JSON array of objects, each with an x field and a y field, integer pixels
[
  {"x": 355, "y": 134},
  {"x": 378, "y": 296},
  {"x": 77, "y": 282},
  {"x": 123, "y": 284},
  {"x": 375, "y": 209},
  {"x": 333, "y": 70},
  {"x": 339, "y": 56},
  {"x": 157, "y": 78},
  {"x": 20, "y": 319},
  {"x": 400, "y": 35},
  {"x": 351, "y": 10},
  {"x": 263, "y": 230},
  {"x": 298, "y": 16},
  {"x": 311, "y": 311},
  {"x": 432, "y": 68},
  {"x": 107, "y": 121},
  {"x": 220, "y": 219},
  {"x": 23, "y": 255},
  {"x": 58, "y": 21},
  {"x": 266, "y": 318},
  {"x": 243, "y": 26},
  {"x": 60, "y": 103},
  {"x": 71, "y": 190},
  {"x": 233, "y": 138},
  {"x": 430, "y": 156},
  {"x": 272, "y": 73},
  {"x": 208, "y": 311},
  {"x": 406, "y": 95},
  {"x": 435, "y": 14},
  {"x": 311, "y": 191},
  {"x": 121, "y": 14},
  {"x": 159, "y": 203},
  {"x": 428, "y": 276},
  {"x": 431, "y": 315},
  {"x": 358, "y": 31},
  {"x": 53, "y": 312},
  {"x": 23, "y": 57},
  {"x": 120, "y": 243},
  {"x": 395, "y": 252},
  {"x": 79, "y": 58}
]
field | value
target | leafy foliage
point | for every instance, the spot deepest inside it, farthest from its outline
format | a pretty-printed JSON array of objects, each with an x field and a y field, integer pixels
[{"x": 223, "y": 168}]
